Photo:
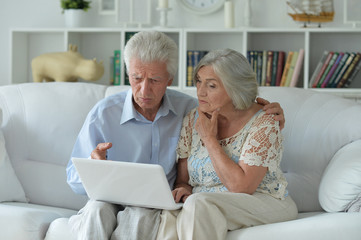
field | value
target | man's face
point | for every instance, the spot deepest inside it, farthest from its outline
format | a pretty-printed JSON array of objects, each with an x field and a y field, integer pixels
[{"x": 149, "y": 82}]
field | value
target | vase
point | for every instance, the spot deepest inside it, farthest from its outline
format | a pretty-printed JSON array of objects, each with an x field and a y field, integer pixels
[{"x": 74, "y": 18}]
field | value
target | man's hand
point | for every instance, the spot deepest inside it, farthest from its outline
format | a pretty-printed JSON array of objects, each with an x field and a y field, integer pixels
[
  {"x": 100, "y": 152},
  {"x": 273, "y": 108}
]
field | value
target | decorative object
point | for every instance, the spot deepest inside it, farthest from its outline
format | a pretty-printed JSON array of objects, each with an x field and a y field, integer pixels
[
  {"x": 247, "y": 13},
  {"x": 108, "y": 7},
  {"x": 163, "y": 11},
  {"x": 311, "y": 11},
  {"x": 228, "y": 14},
  {"x": 74, "y": 12},
  {"x": 65, "y": 67},
  {"x": 133, "y": 12},
  {"x": 352, "y": 12},
  {"x": 202, "y": 6}
]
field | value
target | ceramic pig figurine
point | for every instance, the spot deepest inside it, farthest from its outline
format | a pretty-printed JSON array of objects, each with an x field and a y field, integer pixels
[{"x": 65, "y": 67}]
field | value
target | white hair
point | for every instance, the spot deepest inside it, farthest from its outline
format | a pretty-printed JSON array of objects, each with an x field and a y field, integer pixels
[
  {"x": 236, "y": 74},
  {"x": 150, "y": 46}
]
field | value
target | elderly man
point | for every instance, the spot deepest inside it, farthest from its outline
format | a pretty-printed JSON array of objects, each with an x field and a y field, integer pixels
[{"x": 140, "y": 125}]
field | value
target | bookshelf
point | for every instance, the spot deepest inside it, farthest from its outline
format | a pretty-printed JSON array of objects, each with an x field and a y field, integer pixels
[{"x": 100, "y": 43}]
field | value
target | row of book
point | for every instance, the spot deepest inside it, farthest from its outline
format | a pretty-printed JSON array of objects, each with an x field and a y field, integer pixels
[
  {"x": 114, "y": 71},
  {"x": 115, "y": 67},
  {"x": 275, "y": 68},
  {"x": 193, "y": 58},
  {"x": 336, "y": 69}
]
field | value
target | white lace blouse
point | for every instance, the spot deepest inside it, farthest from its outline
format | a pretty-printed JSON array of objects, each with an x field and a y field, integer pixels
[{"x": 258, "y": 143}]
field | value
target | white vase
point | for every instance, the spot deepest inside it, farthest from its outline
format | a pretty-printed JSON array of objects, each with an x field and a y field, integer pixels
[{"x": 74, "y": 18}]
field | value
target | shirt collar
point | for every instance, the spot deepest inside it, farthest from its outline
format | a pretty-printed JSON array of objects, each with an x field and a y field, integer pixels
[{"x": 129, "y": 111}]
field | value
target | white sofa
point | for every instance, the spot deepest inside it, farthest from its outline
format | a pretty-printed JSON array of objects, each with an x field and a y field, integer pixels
[{"x": 40, "y": 122}]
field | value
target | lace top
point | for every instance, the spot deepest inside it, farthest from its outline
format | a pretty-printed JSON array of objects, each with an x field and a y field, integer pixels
[{"x": 258, "y": 143}]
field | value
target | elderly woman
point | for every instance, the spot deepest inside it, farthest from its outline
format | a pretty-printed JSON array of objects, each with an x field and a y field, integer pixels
[{"x": 229, "y": 174}]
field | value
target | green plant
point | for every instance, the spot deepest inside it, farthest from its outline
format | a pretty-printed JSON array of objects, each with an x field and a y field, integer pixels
[{"x": 75, "y": 4}]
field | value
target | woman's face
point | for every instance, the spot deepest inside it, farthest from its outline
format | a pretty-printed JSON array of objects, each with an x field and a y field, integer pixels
[{"x": 211, "y": 92}]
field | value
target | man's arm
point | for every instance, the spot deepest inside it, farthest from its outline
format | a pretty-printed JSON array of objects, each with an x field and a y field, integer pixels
[{"x": 273, "y": 108}]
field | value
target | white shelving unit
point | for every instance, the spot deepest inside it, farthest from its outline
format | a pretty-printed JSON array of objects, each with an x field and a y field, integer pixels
[{"x": 100, "y": 43}]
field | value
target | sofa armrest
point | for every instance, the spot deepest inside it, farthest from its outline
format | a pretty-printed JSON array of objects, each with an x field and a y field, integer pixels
[{"x": 341, "y": 181}]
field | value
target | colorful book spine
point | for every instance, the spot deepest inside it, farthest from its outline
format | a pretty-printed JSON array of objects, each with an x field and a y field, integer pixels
[
  {"x": 354, "y": 73},
  {"x": 193, "y": 58},
  {"x": 349, "y": 71},
  {"x": 332, "y": 70},
  {"x": 274, "y": 68},
  {"x": 259, "y": 67},
  {"x": 116, "y": 72},
  {"x": 286, "y": 68},
  {"x": 128, "y": 35},
  {"x": 318, "y": 68},
  {"x": 328, "y": 68},
  {"x": 264, "y": 68},
  {"x": 322, "y": 70},
  {"x": 298, "y": 67},
  {"x": 292, "y": 68},
  {"x": 189, "y": 69},
  {"x": 338, "y": 69},
  {"x": 344, "y": 69},
  {"x": 269, "y": 68},
  {"x": 280, "y": 66}
]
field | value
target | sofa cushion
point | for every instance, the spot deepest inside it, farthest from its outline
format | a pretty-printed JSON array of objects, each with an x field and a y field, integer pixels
[
  {"x": 10, "y": 187},
  {"x": 322, "y": 226},
  {"x": 27, "y": 221},
  {"x": 341, "y": 182},
  {"x": 59, "y": 229},
  {"x": 317, "y": 126},
  {"x": 40, "y": 124}
]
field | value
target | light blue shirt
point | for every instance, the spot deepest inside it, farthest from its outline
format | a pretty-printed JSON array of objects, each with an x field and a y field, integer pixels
[{"x": 135, "y": 139}]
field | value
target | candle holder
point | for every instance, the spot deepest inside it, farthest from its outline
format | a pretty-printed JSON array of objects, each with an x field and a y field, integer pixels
[{"x": 163, "y": 12}]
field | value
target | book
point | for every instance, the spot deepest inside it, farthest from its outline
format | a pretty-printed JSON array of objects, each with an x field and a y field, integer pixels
[
  {"x": 349, "y": 70},
  {"x": 116, "y": 67},
  {"x": 286, "y": 68},
  {"x": 343, "y": 70},
  {"x": 259, "y": 67},
  {"x": 292, "y": 68},
  {"x": 354, "y": 73},
  {"x": 338, "y": 69},
  {"x": 254, "y": 61},
  {"x": 264, "y": 68},
  {"x": 269, "y": 68},
  {"x": 274, "y": 68},
  {"x": 318, "y": 68},
  {"x": 328, "y": 68},
  {"x": 280, "y": 66},
  {"x": 332, "y": 70},
  {"x": 189, "y": 69},
  {"x": 298, "y": 67},
  {"x": 322, "y": 70},
  {"x": 193, "y": 58},
  {"x": 128, "y": 35}
]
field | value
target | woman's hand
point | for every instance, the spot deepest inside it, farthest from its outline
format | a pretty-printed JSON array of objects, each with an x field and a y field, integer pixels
[
  {"x": 207, "y": 125},
  {"x": 181, "y": 194}
]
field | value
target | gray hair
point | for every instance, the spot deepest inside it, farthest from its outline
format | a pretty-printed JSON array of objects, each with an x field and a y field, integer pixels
[
  {"x": 150, "y": 46},
  {"x": 236, "y": 74}
]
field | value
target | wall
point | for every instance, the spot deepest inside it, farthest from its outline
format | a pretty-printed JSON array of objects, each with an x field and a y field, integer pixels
[{"x": 47, "y": 14}]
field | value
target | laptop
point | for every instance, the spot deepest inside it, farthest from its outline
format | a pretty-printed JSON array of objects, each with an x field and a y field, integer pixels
[{"x": 124, "y": 183}]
